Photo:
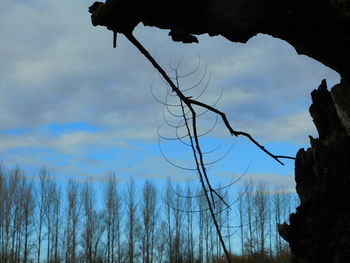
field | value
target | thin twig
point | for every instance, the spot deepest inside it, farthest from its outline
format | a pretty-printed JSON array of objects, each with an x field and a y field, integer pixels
[{"x": 189, "y": 101}]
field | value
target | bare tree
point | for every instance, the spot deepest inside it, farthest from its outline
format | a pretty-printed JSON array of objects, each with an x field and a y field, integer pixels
[
  {"x": 161, "y": 241},
  {"x": 201, "y": 219},
  {"x": 99, "y": 228},
  {"x": 189, "y": 216},
  {"x": 112, "y": 203},
  {"x": 178, "y": 218},
  {"x": 131, "y": 224},
  {"x": 241, "y": 219},
  {"x": 270, "y": 224},
  {"x": 11, "y": 211},
  {"x": 279, "y": 200},
  {"x": 18, "y": 183},
  {"x": 208, "y": 238},
  {"x": 219, "y": 212},
  {"x": 149, "y": 216},
  {"x": 169, "y": 199},
  {"x": 260, "y": 204},
  {"x": 28, "y": 210},
  {"x": 282, "y": 206},
  {"x": 16, "y": 215},
  {"x": 228, "y": 227},
  {"x": 41, "y": 206},
  {"x": 56, "y": 222},
  {"x": 286, "y": 210},
  {"x": 89, "y": 215},
  {"x": 248, "y": 203},
  {"x": 73, "y": 212},
  {"x": 51, "y": 214}
]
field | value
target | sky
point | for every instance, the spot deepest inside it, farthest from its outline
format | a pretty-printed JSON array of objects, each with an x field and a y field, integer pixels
[{"x": 72, "y": 103}]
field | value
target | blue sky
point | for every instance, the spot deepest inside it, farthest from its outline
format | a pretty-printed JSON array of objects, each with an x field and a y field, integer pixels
[{"x": 71, "y": 102}]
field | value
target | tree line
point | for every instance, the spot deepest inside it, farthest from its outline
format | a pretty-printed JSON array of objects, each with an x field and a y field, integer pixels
[{"x": 43, "y": 222}]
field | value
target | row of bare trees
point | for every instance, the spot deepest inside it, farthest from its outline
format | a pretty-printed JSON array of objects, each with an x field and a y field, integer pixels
[{"x": 43, "y": 221}]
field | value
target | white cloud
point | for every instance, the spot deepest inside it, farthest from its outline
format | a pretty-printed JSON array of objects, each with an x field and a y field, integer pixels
[
  {"x": 275, "y": 182},
  {"x": 57, "y": 68},
  {"x": 294, "y": 127},
  {"x": 71, "y": 143}
]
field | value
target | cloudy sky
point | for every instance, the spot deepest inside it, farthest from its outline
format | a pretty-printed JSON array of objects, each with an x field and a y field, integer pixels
[{"x": 71, "y": 102}]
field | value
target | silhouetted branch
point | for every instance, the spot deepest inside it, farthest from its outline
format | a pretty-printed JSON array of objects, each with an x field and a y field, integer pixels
[
  {"x": 189, "y": 101},
  {"x": 193, "y": 134}
]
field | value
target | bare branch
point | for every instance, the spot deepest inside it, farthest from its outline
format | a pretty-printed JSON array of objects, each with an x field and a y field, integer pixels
[
  {"x": 194, "y": 136},
  {"x": 189, "y": 102}
]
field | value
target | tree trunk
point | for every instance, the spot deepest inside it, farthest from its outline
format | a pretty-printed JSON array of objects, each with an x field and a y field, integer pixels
[{"x": 320, "y": 229}]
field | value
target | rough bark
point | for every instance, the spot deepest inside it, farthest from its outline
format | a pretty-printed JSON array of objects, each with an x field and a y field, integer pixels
[{"x": 320, "y": 229}]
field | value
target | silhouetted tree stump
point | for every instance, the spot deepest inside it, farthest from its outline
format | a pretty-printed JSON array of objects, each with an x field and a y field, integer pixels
[{"x": 320, "y": 229}]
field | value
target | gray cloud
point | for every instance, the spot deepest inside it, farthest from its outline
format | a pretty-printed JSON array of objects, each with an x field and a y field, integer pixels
[
  {"x": 275, "y": 182},
  {"x": 56, "y": 68},
  {"x": 68, "y": 72}
]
